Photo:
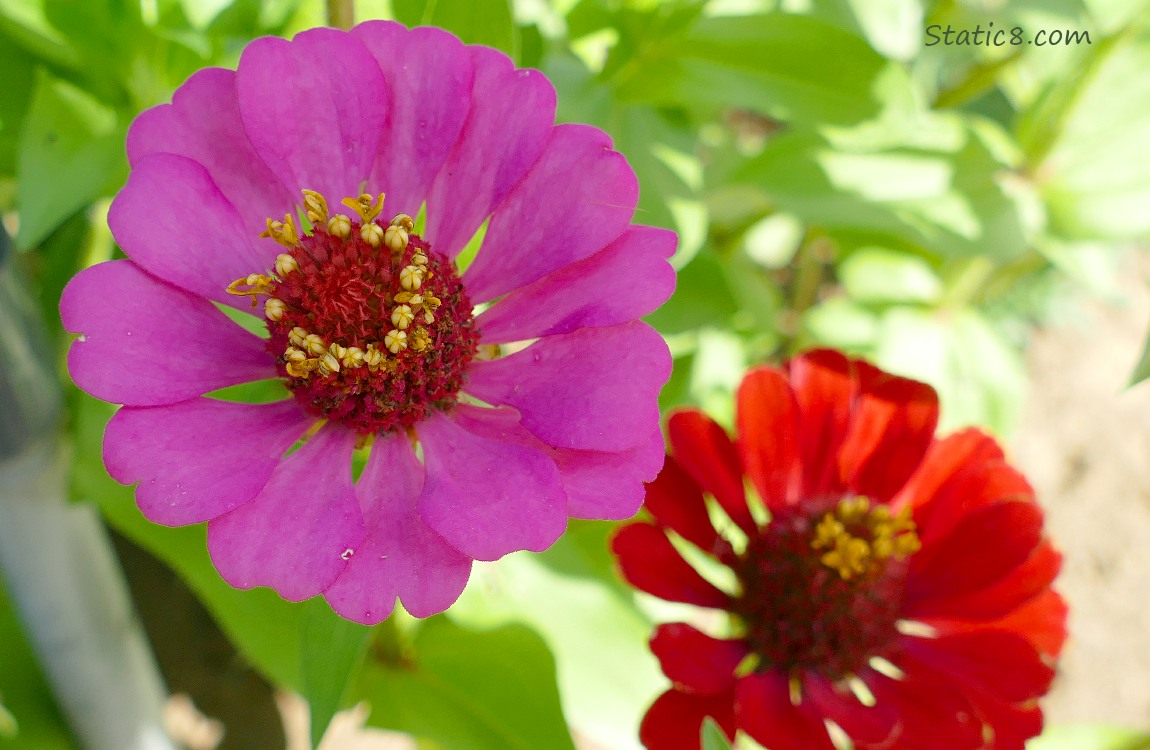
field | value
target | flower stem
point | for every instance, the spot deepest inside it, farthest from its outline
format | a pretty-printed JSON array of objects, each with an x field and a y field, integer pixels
[
  {"x": 341, "y": 13},
  {"x": 60, "y": 569}
]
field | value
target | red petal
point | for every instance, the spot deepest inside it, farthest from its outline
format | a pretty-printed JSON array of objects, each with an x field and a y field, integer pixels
[
  {"x": 706, "y": 453},
  {"x": 891, "y": 429},
  {"x": 763, "y": 709},
  {"x": 1012, "y": 725},
  {"x": 1003, "y": 665},
  {"x": 978, "y": 486},
  {"x": 863, "y": 724},
  {"x": 932, "y": 714},
  {"x": 675, "y": 720},
  {"x": 696, "y": 662},
  {"x": 983, "y": 548},
  {"x": 677, "y": 503},
  {"x": 825, "y": 389},
  {"x": 1041, "y": 621},
  {"x": 946, "y": 459},
  {"x": 1023, "y": 584},
  {"x": 768, "y": 421},
  {"x": 649, "y": 562}
]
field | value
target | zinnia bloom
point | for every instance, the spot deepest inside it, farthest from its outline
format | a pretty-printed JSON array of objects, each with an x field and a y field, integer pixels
[
  {"x": 263, "y": 189},
  {"x": 890, "y": 587}
]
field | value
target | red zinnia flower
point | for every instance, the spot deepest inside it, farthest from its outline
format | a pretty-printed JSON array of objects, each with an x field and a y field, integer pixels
[{"x": 896, "y": 590}]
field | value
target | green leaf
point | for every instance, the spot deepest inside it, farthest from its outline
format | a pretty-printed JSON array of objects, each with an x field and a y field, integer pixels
[
  {"x": 266, "y": 629},
  {"x": 17, "y": 72},
  {"x": 29, "y": 717},
  {"x": 1090, "y": 737},
  {"x": 474, "y": 21},
  {"x": 573, "y": 598},
  {"x": 1142, "y": 369},
  {"x": 789, "y": 67},
  {"x": 71, "y": 153},
  {"x": 469, "y": 690},
  {"x": 712, "y": 737},
  {"x": 1092, "y": 175},
  {"x": 332, "y": 651},
  {"x": 876, "y": 274}
]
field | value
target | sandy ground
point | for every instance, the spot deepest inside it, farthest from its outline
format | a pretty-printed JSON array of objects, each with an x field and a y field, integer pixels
[{"x": 1085, "y": 444}]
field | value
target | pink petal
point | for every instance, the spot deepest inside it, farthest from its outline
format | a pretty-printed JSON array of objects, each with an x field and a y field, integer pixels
[
  {"x": 428, "y": 75},
  {"x": 313, "y": 108},
  {"x": 577, "y": 198},
  {"x": 144, "y": 343},
  {"x": 174, "y": 222},
  {"x": 608, "y": 486},
  {"x": 696, "y": 662},
  {"x": 400, "y": 556},
  {"x": 219, "y": 143},
  {"x": 200, "y": 458},
  {"x": 623, "y": 282},
  {"x": 511, "y": 117},
  {"x": 594, "y": 389},
  {"x": 295, "y": 535},
  {"x": 486, "y": 492}
]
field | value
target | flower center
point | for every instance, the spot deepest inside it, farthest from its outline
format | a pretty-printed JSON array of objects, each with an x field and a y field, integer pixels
[
  {"x": 821, "y": 591},
  {"x": 370, "y": 327}
]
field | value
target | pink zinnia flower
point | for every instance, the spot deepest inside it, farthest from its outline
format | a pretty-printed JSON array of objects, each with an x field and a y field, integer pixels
[
  {"x": 487, "y": 430},
  {"x": 890, "y": 583}
]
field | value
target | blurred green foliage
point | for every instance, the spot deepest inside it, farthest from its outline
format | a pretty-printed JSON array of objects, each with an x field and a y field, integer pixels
[{"x": 833, "y": 179}]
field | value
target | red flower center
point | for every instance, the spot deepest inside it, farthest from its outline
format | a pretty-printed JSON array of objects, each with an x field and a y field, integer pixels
[
  {"x": 369, "y": 326},
  {"x": 822, "y": 591}
]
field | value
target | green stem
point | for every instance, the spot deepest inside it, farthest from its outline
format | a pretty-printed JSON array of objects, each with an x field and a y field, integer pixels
[{"x": 341, "y": 13}]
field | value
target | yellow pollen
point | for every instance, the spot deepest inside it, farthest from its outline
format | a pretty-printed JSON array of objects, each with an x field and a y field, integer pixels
[
  {"x": 283, "y": 232},
  {"x": 402, "y": 316},
  {"x": 419, "y": 259},
  {"x": 372, "y": 234},
  {"x": 315, "y": 205},
  {"x": 395, "y": 238},
  {"x": 858, "y": 539},
  {"x": 253, "y": 285},
  {"x": 373, "y": 358},
  {"x": 337, "y": 351},
  {"x": 419, "y": 339},
  {"x": 395, "y": 341},
  {"x": 339, "y": 226},
  {"x": 285, "y": 264},
  {"x": 410, "y": 278},
  {"x": 365, "y": 206},
  {"x": 274, "y": 309}
]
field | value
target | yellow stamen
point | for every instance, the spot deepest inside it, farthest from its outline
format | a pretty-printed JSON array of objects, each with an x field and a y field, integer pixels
[
  {"x": 411, "y": 277},
  {"x": 372, "y": 234},
  {"x": 274, "y": 309},
  {"x": 298, "y": 337},
  {"x": 404, "y": 221},
  {"x": 315, "y": 206},
  {"x": 402, "y": 316},
  {"x": 373, "y": 358},
  {"x": 339, "y": 226},
  {"x": 283, "y": 232},
  {"x": 315, "y": 345},
  {"x": 395, "y": 341},
  {"x": 395, "y": 238},
  {"x": 285, "y": 264},
  {"x": 859, "y": 538},
  {"x": 328, "y": 364},
  {"x": 352, "y": 357},
  {"x": 365, "y": 206},
  {"x": 252, "y": 285}
]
